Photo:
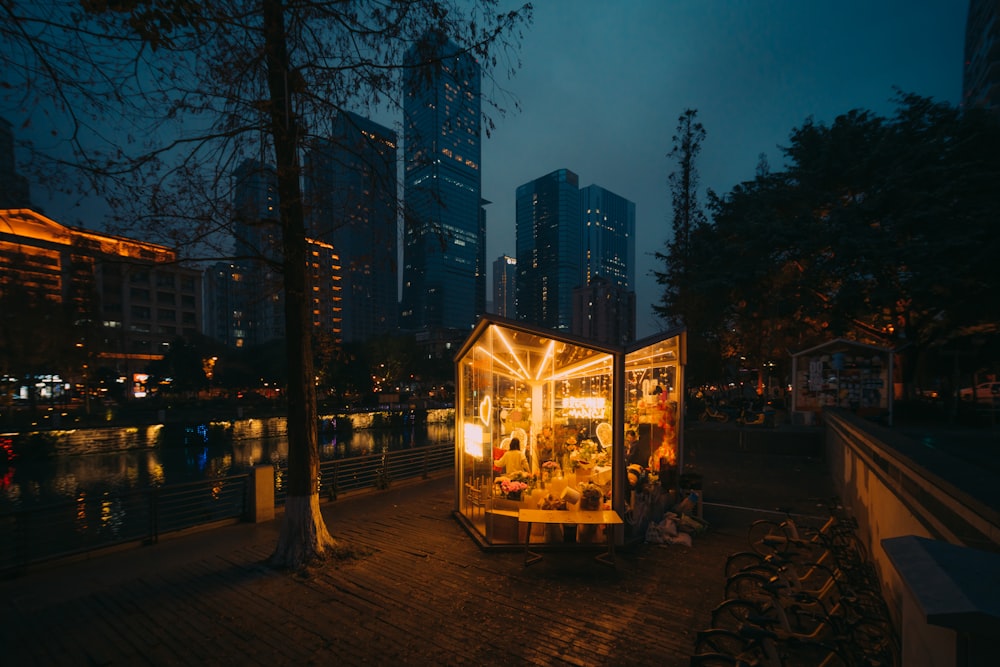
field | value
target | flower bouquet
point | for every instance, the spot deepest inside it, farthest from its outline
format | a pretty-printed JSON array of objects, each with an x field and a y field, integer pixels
[
  {"x": 512, "y": 487},
  {"x": 587, "y": 455}
]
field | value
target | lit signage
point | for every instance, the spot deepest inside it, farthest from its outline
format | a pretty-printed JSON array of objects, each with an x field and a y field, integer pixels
[
  {"x": 584, "y": 408},
  {"x": 139, "y": 381}
]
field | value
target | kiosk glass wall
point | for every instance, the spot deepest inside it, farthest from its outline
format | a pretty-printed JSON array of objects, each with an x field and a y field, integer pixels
[
  {"x": 569, "y": 404},
  {"x": 555, "y": 398}
]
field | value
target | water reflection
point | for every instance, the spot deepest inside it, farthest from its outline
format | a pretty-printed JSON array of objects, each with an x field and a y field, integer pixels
[{"x": 86, "y": 477}]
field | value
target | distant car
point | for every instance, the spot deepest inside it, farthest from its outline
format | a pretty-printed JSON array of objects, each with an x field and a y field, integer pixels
[{"x": 987, "y": 392}]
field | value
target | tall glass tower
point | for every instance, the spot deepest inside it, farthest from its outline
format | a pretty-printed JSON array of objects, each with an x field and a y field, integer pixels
[
  {"x": 504, "y": 280},
  {"x": 550, "y": 260},
  {"x": 258, "y": 301},
  {"x": 609, "y": 236},
  {"x": 351, "y": 190},
  {"x": 444, "y": 283}
]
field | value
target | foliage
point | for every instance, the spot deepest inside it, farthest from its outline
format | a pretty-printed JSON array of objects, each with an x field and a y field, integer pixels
[
  {"x": 878, "y": 229},
  {"x": 688, "y": 221}
]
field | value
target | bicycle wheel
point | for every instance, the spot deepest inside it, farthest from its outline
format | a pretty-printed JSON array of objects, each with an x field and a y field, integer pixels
[
  {"x": 752, "y": 586},
  {"x": 719, "y": 640},
  {"x": 766, "y": 537},
  {"x": 742, "y": 560},
  {"x": 732, "y": 614}
]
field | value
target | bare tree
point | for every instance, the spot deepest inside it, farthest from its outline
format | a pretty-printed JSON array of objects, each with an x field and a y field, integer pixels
[{"x": 152, "y": 103}]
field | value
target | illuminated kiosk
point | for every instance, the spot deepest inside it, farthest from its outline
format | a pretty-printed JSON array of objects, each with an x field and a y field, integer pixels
[{"x": 569, "y": 402}]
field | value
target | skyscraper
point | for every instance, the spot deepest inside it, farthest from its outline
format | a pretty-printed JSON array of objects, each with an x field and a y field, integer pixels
[
  {"x": 504, "y": 281},
  {"x": 604, "y": 312},
  {"x": 550, "y": 261},
  {"x": 604, "y": 305},
  {"x": 609, "y": 236},
  {"x": 351, "y": 190},
  {"x": 258, "y": 252},
  {"x": 567, "y": 240},
  {"x": 254, "y": 298},
  {"x": 444, "y": 284},
  {"x": 981, "y": 75}
]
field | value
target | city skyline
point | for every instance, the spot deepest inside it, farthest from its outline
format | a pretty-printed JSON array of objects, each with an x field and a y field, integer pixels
[{"x": 600, "y": 88}]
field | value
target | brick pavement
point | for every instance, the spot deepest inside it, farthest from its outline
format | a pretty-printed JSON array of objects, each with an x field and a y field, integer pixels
[{"x": 419, "y": 592}]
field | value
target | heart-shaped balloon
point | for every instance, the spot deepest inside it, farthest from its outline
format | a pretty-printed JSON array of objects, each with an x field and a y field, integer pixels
[{"x": 485, "y": 409}]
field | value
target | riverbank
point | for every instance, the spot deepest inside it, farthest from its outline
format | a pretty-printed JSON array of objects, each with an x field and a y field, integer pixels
[
  {"x": 140, "y": 413},
  {"x": 44, "y": 439}
]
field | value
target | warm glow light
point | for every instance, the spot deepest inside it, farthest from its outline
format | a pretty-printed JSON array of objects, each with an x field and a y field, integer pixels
[
  {"x": 510, "y": 348},
  {"x": 474, "y": 440},
  {"x": 578, "y": 367},
  {"x": 513, "y": 371},
  {"x": 590, "y": 407},
  {"x": 486, "y": 409},
  {"x": 548, "y": 355}
]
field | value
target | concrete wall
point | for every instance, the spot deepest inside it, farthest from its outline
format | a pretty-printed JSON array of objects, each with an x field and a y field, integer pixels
[{"x": 897, "y": 488}]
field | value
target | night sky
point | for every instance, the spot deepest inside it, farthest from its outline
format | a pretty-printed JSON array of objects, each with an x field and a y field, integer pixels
[{"x": 602, "y": 84}]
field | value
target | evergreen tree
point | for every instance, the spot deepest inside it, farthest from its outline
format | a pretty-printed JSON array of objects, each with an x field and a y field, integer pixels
[{"x": 679, "y": 302}]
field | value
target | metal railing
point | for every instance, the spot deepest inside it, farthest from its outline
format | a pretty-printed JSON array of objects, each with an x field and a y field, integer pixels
[
  {"x": 92, "y": 522},
  {"x": 377, "y": 470}
]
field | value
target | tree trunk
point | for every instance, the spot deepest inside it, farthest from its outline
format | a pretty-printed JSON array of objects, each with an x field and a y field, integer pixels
[{"x": 303, "y": 536}]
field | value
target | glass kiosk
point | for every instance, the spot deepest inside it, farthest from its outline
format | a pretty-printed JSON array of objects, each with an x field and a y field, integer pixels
[{"x": 580, "y": 412}]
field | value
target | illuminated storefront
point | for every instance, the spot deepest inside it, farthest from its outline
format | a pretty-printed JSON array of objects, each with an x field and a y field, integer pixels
[{"x": 569, "y": 404}]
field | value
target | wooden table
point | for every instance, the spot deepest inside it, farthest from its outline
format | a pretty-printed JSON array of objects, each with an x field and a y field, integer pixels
[{"x": 607, "y": 518}]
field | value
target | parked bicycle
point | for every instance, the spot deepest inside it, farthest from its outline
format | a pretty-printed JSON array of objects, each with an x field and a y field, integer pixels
[{"x": 800, "y": 590}]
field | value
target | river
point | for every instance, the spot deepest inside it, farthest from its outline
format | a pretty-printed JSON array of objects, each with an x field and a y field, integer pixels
[{"x": 126, "y": 459}]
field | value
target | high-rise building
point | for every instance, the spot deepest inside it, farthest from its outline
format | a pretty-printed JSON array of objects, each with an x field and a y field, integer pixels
[
  {"x": 609, "y": 236},
  {"x": 981, "y": 74},
  {"x": 550, "y": 261},
  {"x": 444, "y": 280},
  {"x": 254, "y": 298},
  {"x": 351, "y": 191},
  {"x": 569, "y": 239},
  {"x": 14, "y": 189},
  {"x": 604, "y": 312},
  {"x": 504, "y": 281},
  {"x": 260, "y": 297},
  {"x": 223, "y": 317}
]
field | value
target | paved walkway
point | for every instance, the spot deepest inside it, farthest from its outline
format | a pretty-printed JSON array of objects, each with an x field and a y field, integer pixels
[{"x": 420, "y": 591}]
